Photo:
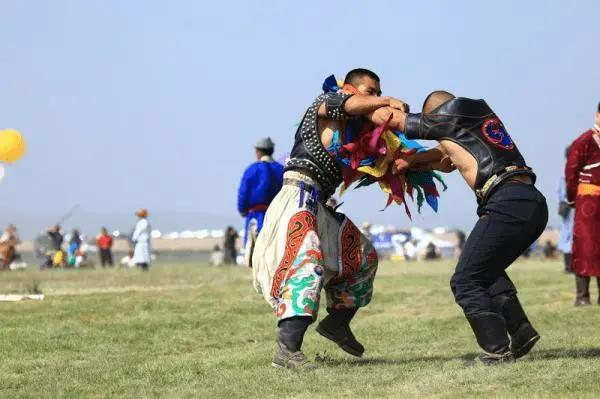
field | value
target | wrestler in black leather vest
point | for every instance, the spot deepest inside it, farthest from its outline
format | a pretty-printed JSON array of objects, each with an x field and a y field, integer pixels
[
  {"x": 474, "y": 126},
  {"x": 308, "y": 152}
]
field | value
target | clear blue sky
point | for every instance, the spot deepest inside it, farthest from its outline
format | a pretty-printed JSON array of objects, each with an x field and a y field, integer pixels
[{"x": 157, "y": 104}]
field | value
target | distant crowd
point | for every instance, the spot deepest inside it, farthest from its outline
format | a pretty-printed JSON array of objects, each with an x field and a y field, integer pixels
[{"x": 54, "y": 248}]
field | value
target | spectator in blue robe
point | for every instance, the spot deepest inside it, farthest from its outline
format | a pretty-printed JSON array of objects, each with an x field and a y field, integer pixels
[{"x": 260, "y": 184}]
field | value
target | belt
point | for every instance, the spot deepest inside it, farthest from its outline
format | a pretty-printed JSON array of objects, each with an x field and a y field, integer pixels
[
  {"x": 588, "y": 189},
  {"x": 258, "y": 208},
  {"x": 322, "y": 197},
  {"x": 495, "y": 180}
]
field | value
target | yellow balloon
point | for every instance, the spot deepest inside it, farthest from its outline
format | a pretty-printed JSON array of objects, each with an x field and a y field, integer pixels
[{"x": 12, "y": 145}]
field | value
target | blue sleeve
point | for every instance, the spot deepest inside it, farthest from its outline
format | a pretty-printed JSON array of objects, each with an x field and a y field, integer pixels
[{"x": 243, "y": 192}]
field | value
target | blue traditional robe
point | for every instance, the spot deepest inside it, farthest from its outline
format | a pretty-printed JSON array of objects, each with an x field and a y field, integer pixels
[{"x": 260, "y": 184}]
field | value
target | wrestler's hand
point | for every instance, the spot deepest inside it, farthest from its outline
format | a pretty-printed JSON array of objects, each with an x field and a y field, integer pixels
[
  {"x": 399, "y": 104},
  {"x": 401, "y": 164},
  {"x": 445, "y": 165}
]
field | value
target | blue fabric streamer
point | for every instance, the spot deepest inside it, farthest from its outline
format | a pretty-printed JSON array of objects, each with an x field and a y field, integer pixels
[{"x": 330, "y": 85}]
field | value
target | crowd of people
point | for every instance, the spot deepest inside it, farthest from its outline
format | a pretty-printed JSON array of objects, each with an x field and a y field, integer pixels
[{"x": 54, "y": 248}]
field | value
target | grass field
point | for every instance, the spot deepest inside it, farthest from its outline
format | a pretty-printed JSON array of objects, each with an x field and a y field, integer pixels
[{"x": 193, "y": 331}]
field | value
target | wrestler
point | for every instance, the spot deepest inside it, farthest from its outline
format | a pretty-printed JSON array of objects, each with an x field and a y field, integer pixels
[
  {"x": 512, "y": 215},
  {"x": 304, "y": 245}
]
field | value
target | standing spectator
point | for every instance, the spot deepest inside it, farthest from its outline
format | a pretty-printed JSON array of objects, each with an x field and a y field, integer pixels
[
  {"x": 8, "y": 247},
  {"x": 141, "y": 239},
  {"x": 231, "y": 237},
  {"x": 104, "y": 242},
  {"x": 431, "y": 251},
  {"x": 566, "y": 213},
  {"x": 260, "y": 183},
  {"x": 549, "y": 250},
  {"x": 583, "y": 191},
  {"x": 410, "y": 250},
  {"x": 73, "y": 248},
  {"x": 56, "y": 238}
]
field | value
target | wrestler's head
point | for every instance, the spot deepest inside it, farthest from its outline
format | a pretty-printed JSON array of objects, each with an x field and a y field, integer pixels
[
  {"x": 435, "y": 99},
  {"x": 362, "y": 81},
  {"x": 598, "y": 118}
]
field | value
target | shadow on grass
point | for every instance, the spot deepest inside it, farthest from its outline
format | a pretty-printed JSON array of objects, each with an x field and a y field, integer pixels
[
  {"x": 382, "y": 361},
  {"x": 565, "y": 353},
  {"x": 545, "y": 354}
]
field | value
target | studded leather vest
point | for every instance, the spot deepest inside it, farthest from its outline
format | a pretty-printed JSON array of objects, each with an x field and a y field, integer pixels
[
  {"x": 308, "y": 152},
  {"x": 474, "y": 126}
]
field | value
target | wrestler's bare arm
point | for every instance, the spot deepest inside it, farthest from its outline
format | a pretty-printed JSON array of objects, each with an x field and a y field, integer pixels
[
  {"x": 363, "y": 105},
  {"x": 443, "y": 165},
  {"x": 382, "y": 115}
]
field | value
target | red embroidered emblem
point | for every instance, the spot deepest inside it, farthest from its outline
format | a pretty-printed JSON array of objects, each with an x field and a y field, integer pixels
[
  {"x": 493, "y": 130},
  {"x": 300, "y": 224},
  {"x": 350, "y": 250}
]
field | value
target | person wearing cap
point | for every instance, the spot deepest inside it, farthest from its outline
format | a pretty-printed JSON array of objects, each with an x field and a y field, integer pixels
[
  {"x": 582, "y": 173},
  {"x": 141, "y": 240},
  {"x": 260, "y": 184}
]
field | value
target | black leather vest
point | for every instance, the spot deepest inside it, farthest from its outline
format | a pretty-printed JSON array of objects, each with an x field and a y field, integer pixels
[
  {"x": 308, "y": 152},
  {"x": 474, "y": 126}
]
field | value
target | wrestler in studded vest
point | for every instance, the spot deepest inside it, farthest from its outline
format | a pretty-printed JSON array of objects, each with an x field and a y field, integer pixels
[
  {"x": 308, "y": 154},
  {"x": 474, "y": 126}
]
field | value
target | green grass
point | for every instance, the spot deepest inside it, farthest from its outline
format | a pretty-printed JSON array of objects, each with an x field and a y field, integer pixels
[{"x": 196, "y": 331}]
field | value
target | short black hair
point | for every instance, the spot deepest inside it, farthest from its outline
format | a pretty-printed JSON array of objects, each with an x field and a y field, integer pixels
[
  {"x": 598, "y": 107},
  {"x": 359, "y": 73},
  {"x": 266, "y": 151}
]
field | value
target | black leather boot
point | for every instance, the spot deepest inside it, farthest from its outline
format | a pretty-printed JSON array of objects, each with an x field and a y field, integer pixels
[
  {"x": 336, "y": 327},
  {"x": 582, "y": 287},
  {"x": 523, "y": 336},
  {"x": 490, "y": 332}
]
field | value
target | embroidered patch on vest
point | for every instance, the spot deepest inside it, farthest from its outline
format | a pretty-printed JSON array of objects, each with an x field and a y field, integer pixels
[{"x": 493, "y": 130}]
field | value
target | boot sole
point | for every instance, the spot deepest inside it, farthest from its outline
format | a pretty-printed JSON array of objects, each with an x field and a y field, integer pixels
[
  {"x": 279, "y": 366},
  {"x": 330, "y": 337},
  {"x": 528, "y": 346}
]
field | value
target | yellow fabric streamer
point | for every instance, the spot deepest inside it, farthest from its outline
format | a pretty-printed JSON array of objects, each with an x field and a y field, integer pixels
[{"x": 381, "y": 165}]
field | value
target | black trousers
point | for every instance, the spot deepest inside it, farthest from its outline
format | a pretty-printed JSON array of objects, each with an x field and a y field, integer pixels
[
  {"x": 512, "y": 219},
  {"x": 106, "y": 257}
]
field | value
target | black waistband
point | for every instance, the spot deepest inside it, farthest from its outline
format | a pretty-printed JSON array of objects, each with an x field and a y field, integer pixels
[{"x": 503, "y": 178}]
